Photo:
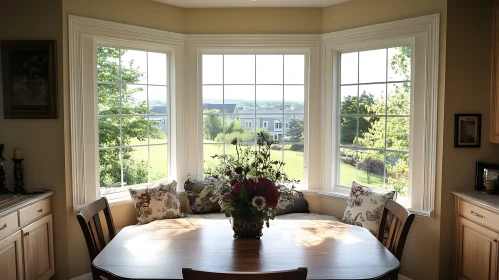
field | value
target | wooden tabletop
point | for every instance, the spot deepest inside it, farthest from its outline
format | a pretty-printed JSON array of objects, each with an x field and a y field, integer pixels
[{"x": 328, "y": 248}]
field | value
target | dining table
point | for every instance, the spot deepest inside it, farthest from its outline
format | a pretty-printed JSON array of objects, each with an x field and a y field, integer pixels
[{"x": 329, "y": 249}]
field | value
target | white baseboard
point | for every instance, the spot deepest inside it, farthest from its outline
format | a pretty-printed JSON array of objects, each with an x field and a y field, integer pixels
[
  {"x": 403, "y": 277},
  {"x": 87, "y": 276}
]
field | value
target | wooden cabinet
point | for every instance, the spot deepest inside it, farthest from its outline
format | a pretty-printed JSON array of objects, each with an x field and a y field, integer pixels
[
  {"x": 477, "y": 251},
  {"x": 11, "y": 260},
  {"x": 38, "y": 249},
  {"x": 494, "y": 94},
  {"x": 26, "y": 239}
]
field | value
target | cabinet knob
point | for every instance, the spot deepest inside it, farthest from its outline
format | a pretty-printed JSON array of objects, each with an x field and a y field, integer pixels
[
  {"x": 4, "y": 227},
  {"x": 40, "y": 211},
  {"x": 495, "y": 239},
  {"x": 26, "y": 234},
  {"x": 477, "y": 214}
]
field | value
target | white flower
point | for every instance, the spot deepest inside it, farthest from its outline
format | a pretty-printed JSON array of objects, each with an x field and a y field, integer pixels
[{"x": 258, "y": 202}]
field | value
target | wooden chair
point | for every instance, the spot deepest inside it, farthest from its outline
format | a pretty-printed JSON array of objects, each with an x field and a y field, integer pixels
[
  {"x": 295, "y": 274},
  {"x": 92, "y": 228},
  {"x": 394, "y": 228}
]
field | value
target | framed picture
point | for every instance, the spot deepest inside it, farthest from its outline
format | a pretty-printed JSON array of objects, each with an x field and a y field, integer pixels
[
  {"x": 29, "y": 79},
  {"x": 467, "y": 130},
  {"x": 485, "y": 172}
]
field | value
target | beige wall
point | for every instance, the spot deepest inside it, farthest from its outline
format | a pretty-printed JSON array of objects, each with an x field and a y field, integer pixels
[
  {"x": 42, "y": 141},
  {"x": 256, "y": 21},
  {"x": 469, "y": 45}
]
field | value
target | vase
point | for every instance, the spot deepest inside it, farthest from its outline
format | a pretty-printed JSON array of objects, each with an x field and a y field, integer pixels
[{"x": 247, "y": 227}]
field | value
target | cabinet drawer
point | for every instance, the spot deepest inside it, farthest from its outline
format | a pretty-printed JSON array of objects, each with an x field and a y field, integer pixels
[
  {"x": 479, "y": 215},
  {"x": 8, "y": 224},
  {"x": 33, "y": 212}
]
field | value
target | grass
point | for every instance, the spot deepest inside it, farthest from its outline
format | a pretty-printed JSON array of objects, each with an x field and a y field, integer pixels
[{"x": 348, "y": 174}]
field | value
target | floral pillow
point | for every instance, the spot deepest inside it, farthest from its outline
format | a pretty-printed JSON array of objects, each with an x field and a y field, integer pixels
[
  {"x": 365, "y": 207},
  {"x": 198, "y": 204},
  {"x": 156, "y": 202},
  {"x": 296, "y": 205}
]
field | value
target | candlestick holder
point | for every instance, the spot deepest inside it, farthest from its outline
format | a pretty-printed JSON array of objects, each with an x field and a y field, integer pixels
[
  {"x": 3, "y": 187},
  {"x": 18, "y": 176}
]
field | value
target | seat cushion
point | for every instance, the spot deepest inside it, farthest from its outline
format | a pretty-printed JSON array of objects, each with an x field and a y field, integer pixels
[
  {"x": 365, "y": 207},
  {"x": 156, "y": 201}
]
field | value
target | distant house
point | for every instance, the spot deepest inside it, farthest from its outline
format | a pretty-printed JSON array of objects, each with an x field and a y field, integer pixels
[
  {"x": 227, "y": 108},
  {"x": 271, "y": 121}
]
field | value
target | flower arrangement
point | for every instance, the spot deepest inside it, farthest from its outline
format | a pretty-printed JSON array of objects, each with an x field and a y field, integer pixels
[{"x": 250, "y": 185}]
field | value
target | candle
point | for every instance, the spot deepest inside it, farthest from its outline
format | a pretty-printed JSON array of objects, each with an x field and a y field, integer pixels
[{"x": 18, "y": 153}]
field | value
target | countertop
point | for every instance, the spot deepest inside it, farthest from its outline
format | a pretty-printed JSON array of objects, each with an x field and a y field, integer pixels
[
  {"x": 12, "y": 202},
  {"x": 480, "y": 198}
]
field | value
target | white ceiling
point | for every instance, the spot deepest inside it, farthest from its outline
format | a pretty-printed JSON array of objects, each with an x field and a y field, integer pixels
[{"x": 250, "y": 3}]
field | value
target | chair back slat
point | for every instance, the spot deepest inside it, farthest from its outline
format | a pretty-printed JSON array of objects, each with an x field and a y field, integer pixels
[
  {"x": 91, "y": 226},
  {"x": 398, "y": 222},
  {"x": 296, "y": 274}
]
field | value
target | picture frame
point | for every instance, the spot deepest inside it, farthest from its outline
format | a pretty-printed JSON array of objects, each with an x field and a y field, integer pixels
[
  {"x": 29, "y": 78},
  {"x": 467, "y": 130},
  {"x": 484, "y": 172}
]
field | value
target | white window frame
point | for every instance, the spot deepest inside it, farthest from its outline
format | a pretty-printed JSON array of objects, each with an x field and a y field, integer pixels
[
  {"x": 277, "y": 125},
  {"x": 275, "y": 137},
  {"x": 248, "y": 124},
  {"x": 423, "y": 35},
  {"x": 84, "y": 36},
  {"x": 197, "y": 45},
  {"x": 265, "y": 124}
]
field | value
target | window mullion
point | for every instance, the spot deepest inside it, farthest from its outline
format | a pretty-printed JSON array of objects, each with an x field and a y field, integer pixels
[
  {"x": 386, "y": 121},
  {"x": 121, "y": 116}
]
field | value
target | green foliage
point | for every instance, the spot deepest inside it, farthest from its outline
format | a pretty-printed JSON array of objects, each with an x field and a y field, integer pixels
[
  {"x": 212, "y": 124},
  {"x": 108, "y": 70},
  {"x": 243, "y": 136},
  {"x": 366, "y": 104}
]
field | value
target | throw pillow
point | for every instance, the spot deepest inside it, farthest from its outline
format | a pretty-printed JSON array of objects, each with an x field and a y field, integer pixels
[
  {"x": 156, "y": 202},
  {"x": 299, "y": 205},
  {"x": 365, "y": 207},
  {"x": 201, "y": 205}
]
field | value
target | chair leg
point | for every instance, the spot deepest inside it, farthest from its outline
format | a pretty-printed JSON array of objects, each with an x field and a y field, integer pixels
[{"x": 95, "y": 276}]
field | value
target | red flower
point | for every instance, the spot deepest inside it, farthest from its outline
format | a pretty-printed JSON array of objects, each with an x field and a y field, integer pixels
[
  {"x": 238, "y": 186},
  {"x": 265, "y": 187}
]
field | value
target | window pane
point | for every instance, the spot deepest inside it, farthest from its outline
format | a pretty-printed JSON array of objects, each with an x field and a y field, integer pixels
[
  {"x": 400, "y": 63},
  {"x": 158, "y": 125},
  {"x": 242, "y": 96},
  {"x": 212, "y": 128},
  {"x": 157, "y": 68},
  {"x": 269, "y": 98},
  {"x": 239, "y": 69},
  {"x": 108, "y": 66},
  {"x": 157, "y": 99},
  {"x": 294, "y": 69},
  {"x": 212, "y": 69},
  {"x": 348, "y": 163},
  {"x": 371, "y": 169},
  {"x": 134, "y": 130},
  {"x": 372, "y": 66},
  {"x": 349, "y": 68},
  {"x": 210, "y": 150},
  {"x": 159, "y": 162},
  {"x": 397, "y": 172},
  {"x": 294, "y": 130},
  {"x": 372, "y": 133},
  {"x": 399, "y": 99},
  {"x": 269, "y": 69},
  {"x": 133, "y": 66},
  {"x": 372, "y": 99},
  {"x": 212, "y": 95},
  {"x": 349, "y": 100},
  {"x": 294, "y": 99},
  {"x": 135, "y": 166},
  {"x": 110, "y": 168},
  {"x": 240, "y": 128},
  {"x": 293, "y": 157},
  {"x": 397, "y": 134},
  {"x": 348, "y": 131},
  {"x": 109, "y": 132},
  {"x": 108, "y": 99},
  {"x": 134, "y": 99}
]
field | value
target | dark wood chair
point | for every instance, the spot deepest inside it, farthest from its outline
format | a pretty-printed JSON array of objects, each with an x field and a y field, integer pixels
[
  {"x": 394, "y": 228},
  {"x": 295, "y": 274},
  {"x": 92, "y": 228}
]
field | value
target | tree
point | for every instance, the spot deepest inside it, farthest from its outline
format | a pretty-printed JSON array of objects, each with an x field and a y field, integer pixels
[
  {"x": 110, "y": 103},
  {"x": 212, "y": 124},
  {"x": 349, "y": 124},
  {"x": 294, "y": 133}
]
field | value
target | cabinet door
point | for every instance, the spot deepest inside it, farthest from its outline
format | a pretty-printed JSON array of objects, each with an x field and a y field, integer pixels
[
  {"x": 11, "y": 260},
  {"x": 478, "y": 252},
  {"x": 494, "y": 92},
  {"x": 38, "y": 249}
]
